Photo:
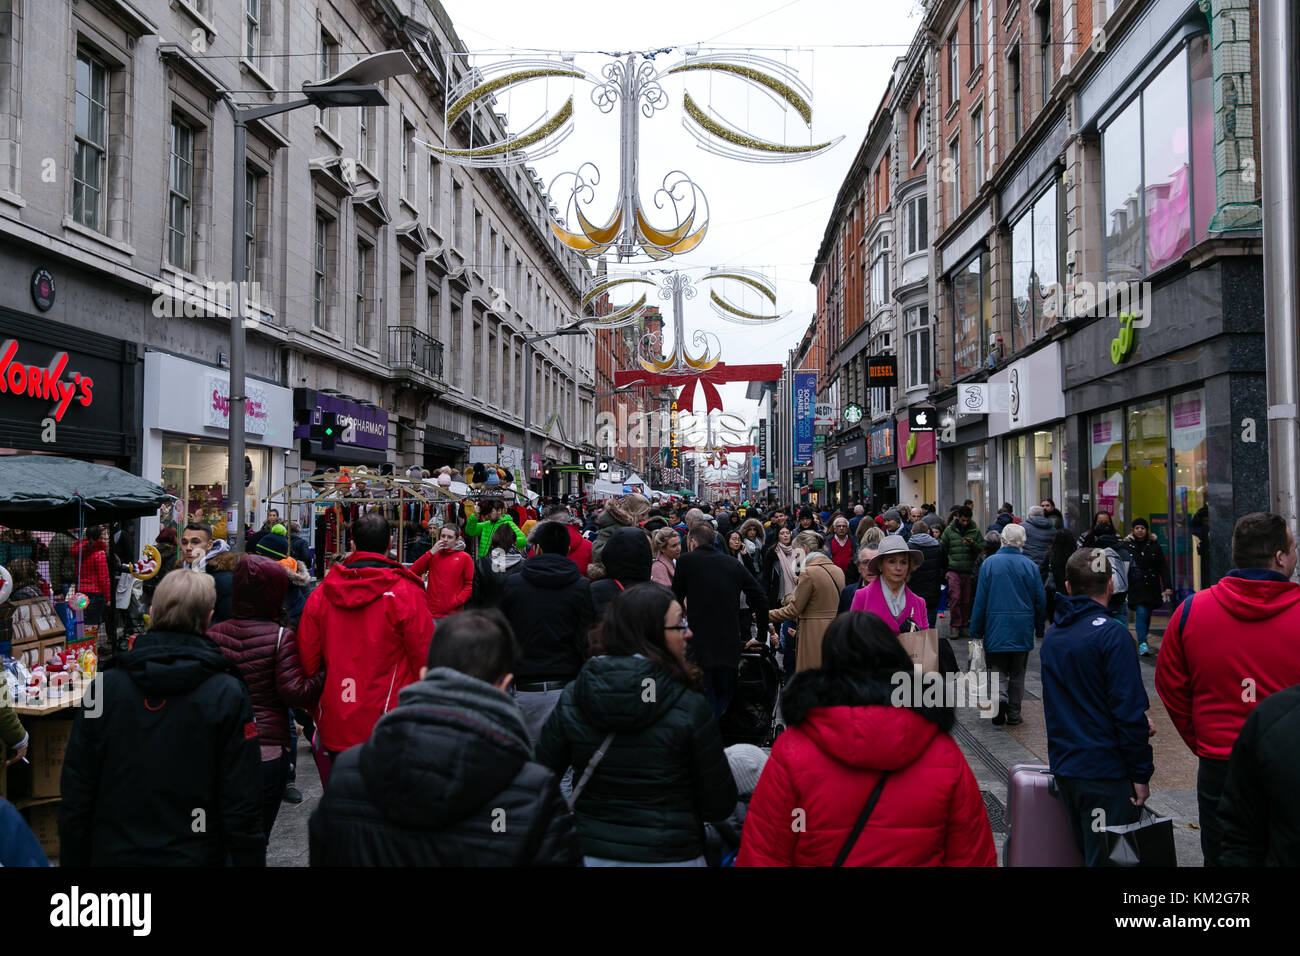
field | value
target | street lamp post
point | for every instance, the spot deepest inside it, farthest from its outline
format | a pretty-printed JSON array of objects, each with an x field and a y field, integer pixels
[
  {"x": 355, "y": 86},
  {"x": 576, "y": 328}
]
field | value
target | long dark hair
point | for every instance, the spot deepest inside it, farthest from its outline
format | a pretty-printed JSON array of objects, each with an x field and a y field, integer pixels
[{"x": 634, "y": 624}]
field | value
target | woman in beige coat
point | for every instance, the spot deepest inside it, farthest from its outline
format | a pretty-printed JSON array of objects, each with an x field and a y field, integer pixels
[{"x": 815, "y": 601}]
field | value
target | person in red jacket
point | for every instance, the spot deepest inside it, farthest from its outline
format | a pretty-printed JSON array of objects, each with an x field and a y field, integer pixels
[
  {"x": 90, "y": 559},
  {"x": 841, "y": 549},
  {"x": 369, "y": 626},
  {"x": 267, "y": 657},
  {"x": 1227, "y": 648},
  {"x": 450, "y": 571},
  {"x": 845, "y": 739}
]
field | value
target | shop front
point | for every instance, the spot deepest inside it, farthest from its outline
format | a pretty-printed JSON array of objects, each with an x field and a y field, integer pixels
[
  {"x": 1171, "y": 429},
  {"x": 187, "y": 425},
  {"x": 443, "y": 447},
  {"x": 1031, "y": 432},
  {"x": 964, "y": 466},
  {"x": 81, "y": 402},
  {"x": 851, "y": 458},
  {"x": 916, "y": 478},
  {"x": 880, "y": 459},
  {"x": 363, "y": 438}
]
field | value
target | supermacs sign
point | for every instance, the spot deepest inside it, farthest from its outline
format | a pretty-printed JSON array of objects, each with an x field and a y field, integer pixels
[{"x": 48, "y": 383}]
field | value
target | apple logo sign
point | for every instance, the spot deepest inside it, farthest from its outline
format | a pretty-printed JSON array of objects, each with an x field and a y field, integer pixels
[{"x": 921, "y": 418}]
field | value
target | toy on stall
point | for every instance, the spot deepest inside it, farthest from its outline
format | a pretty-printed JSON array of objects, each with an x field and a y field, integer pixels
[
  {"x": 88, "y": 662},
  {"x": 147, "y": 568},
  {"x": 6, "y": 584}
]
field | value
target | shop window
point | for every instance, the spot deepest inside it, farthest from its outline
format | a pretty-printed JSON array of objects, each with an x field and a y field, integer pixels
[
  {"x": 966, "y": 295},
  {"x": 1189, "y": 555},
  {"x": 1106, "y": 435},
  {"x": 196, "y": 475},
  {"x": 975, "y": 483},
  {"x": 1158, "y": 166}
]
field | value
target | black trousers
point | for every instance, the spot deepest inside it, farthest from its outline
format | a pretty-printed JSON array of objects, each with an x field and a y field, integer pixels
[
  {"x": 1210, "y": 778},
  {"x": 1092, "y": 804}
]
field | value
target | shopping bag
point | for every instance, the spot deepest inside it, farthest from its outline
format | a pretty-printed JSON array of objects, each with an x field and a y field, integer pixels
[
  {"x": 1149, "y": 842},
  {"x": 923, "y": 648},
  {"x": 977, "y": 662}
]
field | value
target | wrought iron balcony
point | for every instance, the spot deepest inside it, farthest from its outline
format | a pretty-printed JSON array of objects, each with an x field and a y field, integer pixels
[{"x": 415, "y": 356}]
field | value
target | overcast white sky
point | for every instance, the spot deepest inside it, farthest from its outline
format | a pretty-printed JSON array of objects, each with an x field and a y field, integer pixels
[{"x": 769, "y": 217}]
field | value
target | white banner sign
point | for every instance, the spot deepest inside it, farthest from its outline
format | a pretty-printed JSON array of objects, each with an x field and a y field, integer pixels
[{"x": 217, "y": 410}]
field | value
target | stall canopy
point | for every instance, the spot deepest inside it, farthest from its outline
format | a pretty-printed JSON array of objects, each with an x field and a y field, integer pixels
[{"x": 42, "y": 492}]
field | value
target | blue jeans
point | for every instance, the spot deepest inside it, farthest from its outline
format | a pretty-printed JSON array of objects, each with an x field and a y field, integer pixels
[
  {"x": 1143, "y": 622},
  {"x": 1118, "y": 608}
]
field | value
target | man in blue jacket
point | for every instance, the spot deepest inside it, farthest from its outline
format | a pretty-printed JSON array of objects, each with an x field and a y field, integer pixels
[
  {"x": 1095, "y": 705},
  {"x": 1010, "y": 610}
]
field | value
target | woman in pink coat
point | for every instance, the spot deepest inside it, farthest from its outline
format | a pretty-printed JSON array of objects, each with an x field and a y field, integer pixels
[{"x": 888, "y": 595}]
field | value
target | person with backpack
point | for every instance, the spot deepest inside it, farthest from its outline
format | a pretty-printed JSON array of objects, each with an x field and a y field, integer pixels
[
  {"x": 1227, "y": 648},
  {"x": 858, "y": 781},
  {"x": 448, "y": 777},
  {"x": 646, "y": 753},
  {"x": 1148, "y": 584},
  {"x": 1105, "y": 540},
  {"x": 492, "y": 569}
]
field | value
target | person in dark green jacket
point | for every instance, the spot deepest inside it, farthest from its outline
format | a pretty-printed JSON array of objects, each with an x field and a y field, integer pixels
[
  {"x": 959, "y": 546},
  {"x": 664, "y": 773},
  {"x": 491, "y": 515}
]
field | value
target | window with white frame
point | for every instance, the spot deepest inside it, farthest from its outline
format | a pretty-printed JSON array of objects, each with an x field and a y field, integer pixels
[
  {"x": 953, "y": 175},
  {"x": 365, "y": 262},
  {"x": 253, "y": 184},
  {"x": 919, "y": 134},
  {"x": 252, "y": 30},
  {"x": 880, "y": 272},
  {"x": 320, "y": 313},
  {"x": 1044, "y": 14},
  {"x": 1016, "y": 104},
  {"x": 977, "y": 145},
  {"x": 976, "y": 35},
  {"x": 90, "y": 152},
  {"x": 435, "y": 193},
  {"x": 952, "y": 69},
  {"x": 327, "y": 64},
  {"x": 916, "y": 226},
  {"x": 408, "y": 162},
  {"x": 363, "y": 135},
  {"x": 180, "y": 197},
  {"x": 920, "y": 354}
]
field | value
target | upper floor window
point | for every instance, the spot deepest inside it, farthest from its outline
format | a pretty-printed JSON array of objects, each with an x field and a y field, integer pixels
[
  {"x": 880, "y": 272},
  {"x": 952, "y": 176},
  {"x": 90, "y": 151},
  {"x": 252, "y": 30},
  {"x": 408, "y": 162},
  {"x": 919, "y": 135},
  {"x": 1016, "y": 106},
  {"x": 1158, "y": 168},
  {"x": 1036, "y": 252},
  {"x": 969, "y": 299},
  {"x": 435, "y": 192},
  {"x": 252, "y": 194},
  {"x": 976, "y": 36},
  {"x": 180, "y": 197},
  {"x": 977, "y": 146},
  {"x": 327, "y": 64},
  {"x": 952, "y": 69},
  {"x": 920, "y": 355},
  {"x": 1045, "y": 46},
  {"x": 915, "y": 226}
]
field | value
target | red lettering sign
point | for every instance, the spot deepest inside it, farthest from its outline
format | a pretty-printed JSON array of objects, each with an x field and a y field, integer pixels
[{"x": 44, "y": 383}]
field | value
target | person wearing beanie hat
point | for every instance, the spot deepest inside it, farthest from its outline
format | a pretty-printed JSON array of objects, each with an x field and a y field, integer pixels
[
  {"x": 273, "y": 545},
  {"x": 746, "y": 762},
  {"x": 722, "y": 839},
  {"x": 1149, "y": 584}
]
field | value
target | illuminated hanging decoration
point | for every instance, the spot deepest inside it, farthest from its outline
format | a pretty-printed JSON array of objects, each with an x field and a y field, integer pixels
[{"x": 630, "y": 231}]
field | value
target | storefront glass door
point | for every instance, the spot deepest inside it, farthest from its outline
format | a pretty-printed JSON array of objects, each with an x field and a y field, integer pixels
[
  {"x": 1148, "y": 444},
  {"x": 1189, "y": 556},
  {"x": 1107, "y": 464},
  {"x": 975, "y": 483}
]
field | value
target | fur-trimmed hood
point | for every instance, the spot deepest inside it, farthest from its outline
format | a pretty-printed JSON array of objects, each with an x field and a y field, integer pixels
[{"x": 752, "y": 523}]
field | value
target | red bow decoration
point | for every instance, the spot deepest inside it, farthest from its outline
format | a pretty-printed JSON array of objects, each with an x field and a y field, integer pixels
[{"x": 710, "y": 380}]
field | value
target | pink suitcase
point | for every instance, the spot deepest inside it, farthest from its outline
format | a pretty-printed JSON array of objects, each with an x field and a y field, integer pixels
[{"x": 1038, "y": 828}]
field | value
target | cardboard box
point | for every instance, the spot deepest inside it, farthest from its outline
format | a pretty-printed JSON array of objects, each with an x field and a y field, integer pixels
[
  {"x": 44, "y": 821},
  {"x": 48, "y": 745}
]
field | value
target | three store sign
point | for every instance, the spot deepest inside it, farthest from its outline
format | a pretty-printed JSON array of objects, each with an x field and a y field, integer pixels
[{"x": 48, "y": 383}]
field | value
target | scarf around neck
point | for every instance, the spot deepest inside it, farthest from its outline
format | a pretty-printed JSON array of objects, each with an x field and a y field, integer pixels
[
  {"x": 896, "y": 602},
  {"x": 785, "y": 555}
]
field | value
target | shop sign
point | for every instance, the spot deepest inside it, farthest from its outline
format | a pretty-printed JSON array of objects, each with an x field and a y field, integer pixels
[
  {"x": 805, "y": 385},
  {"x": 880, "y": 448},
  {"x": 256, "y": 407},
  {"x": 819, "y": 440},
  {"x": 824, "y": 414},
  {"x": 852, "y": 455},
  {"x": 1121, "y": 347},
  {"x": 45, "y": 383},
  {"x": 915, "y": 448},
  {"x": 882, "y": 371},
  {"x": 361, "y": 425}
]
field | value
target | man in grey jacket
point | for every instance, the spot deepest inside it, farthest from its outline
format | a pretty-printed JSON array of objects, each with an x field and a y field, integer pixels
[{"x": 1039, "y": 532}]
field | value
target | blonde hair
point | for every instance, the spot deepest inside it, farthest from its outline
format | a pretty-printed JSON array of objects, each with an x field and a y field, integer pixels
[
  {"x": 809, "y": 542},
  {"x": 183, "y": 602},
  {"x": 871, "y": 534},
  {"x": 661, "y": 538}
]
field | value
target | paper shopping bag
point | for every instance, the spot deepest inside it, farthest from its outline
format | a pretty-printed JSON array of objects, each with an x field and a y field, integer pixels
[
  {"x": 923, "y": 648},
  {"x": 1149, "y": 842}
]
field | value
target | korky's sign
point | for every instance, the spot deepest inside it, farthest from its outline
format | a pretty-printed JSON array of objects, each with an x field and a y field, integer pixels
[{"x": 54, "y": 383}]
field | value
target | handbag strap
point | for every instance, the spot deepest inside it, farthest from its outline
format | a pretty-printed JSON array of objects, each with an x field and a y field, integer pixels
[
  {"x": 279, "y": 635},
  {"x": 590, "y": 769},
  {"x": 862, "y": 821}
]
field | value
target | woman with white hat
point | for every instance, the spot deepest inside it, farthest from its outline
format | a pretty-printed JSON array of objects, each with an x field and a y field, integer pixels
[{"x": 888, "y": 595}]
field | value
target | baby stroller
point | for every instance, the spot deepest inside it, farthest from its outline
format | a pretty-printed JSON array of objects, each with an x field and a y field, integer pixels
[{"x": 750, "y": 718}]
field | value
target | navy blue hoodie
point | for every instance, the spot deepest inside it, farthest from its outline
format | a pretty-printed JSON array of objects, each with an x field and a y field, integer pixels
[{"x": 1093, "y": 697}]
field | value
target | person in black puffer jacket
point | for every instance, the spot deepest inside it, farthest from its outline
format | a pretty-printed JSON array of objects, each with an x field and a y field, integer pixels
[
  {"x": 626, "y": 559},
  {"x": 548, "y": 605},
  {"x": 1258, "y": 811},
  {"x": 447, "y": 778},
  {"x": 927, "y": 580},
  {"x": 267, "y": 657},
  {"x": 174, "y": 744},
  {"x": 664, "y": 773}
]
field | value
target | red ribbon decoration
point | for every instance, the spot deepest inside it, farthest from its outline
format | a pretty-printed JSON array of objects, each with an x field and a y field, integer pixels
[{"x": 710, "y": 380}]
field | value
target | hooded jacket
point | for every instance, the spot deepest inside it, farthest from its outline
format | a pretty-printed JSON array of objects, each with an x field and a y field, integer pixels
[
  {"x": 843, "y": 734},
  {"x": 755, "y": 547},
  {"x": 451, "y": 579},
  {"x": 175, "y": 735},
  {"x": 91, "y": 559},
  {"x": 1039, "y": 532},
  {"x": 1010, "y": 605},
  {"x": 579, "y": 547},
  {"x": 663, "y": 776},
  {"x": 927, "y": 580},
  {"x": 1094, "y": 701},
  {"x": 265, "y": 653},
  {"x": 1149, "y": 574},
  {"x": 627, "y": 560},
  {"x": 548, "y": 604},
  {"x": 484, "y": 530},
  {"x": 1246, "y": 625},
  {"x": 959, "y": 556},
  {"x": 1003, "y": 519},
  {"x": 367, "y": 624},
  {"x": 434, "y": 782}
]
